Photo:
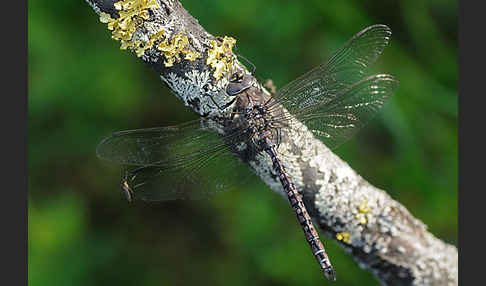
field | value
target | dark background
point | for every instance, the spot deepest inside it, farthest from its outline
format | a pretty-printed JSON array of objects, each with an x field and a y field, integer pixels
[{"x": 82, "y": 87}]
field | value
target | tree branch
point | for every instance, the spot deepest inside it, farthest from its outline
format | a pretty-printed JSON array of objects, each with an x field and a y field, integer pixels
[{"x": 380, "y": 233}]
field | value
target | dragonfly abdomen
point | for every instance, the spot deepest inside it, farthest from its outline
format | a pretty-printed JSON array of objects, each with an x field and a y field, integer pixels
[{"x": 303, "y": 217}]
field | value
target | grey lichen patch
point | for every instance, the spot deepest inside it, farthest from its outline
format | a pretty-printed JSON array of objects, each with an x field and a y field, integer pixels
[
  {"x": 262, "y": 166},
  {"x": 170, "y": 3},
  {"x": 438, "y": 264},
  {"x": 198, "y": 87},
  {"x": 341, "y": 204}
]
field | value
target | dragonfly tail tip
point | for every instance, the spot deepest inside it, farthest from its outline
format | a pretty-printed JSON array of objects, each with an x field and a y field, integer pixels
[{"x": 330, "y": 274}]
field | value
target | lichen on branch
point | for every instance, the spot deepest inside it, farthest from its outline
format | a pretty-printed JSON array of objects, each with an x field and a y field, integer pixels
[
  {"x": 376, "y": 230},
  {"x": 132, "y": 14}
]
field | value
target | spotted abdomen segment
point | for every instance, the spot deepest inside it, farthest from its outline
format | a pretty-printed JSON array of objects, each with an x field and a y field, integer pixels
[{"x": 302, "y": 215}]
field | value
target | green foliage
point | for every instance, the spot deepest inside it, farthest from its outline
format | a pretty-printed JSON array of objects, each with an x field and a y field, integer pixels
[{"x": 82, "y": 87}]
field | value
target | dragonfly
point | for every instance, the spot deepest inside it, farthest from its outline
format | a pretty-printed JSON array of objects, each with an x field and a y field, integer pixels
[{"x": 197, "y": 159}]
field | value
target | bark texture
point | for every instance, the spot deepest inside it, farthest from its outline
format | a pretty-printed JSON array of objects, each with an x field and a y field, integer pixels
[{"x": 380, "y": 234}]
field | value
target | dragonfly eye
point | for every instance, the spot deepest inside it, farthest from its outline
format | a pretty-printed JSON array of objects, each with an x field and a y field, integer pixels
[{"x": 238, "y": 83}]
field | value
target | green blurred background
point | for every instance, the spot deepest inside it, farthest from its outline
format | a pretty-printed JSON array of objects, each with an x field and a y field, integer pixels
[{"x": 82, "y": 88}]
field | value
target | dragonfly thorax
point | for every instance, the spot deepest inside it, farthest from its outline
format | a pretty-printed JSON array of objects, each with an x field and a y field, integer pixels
[{"x": 260, "y": 125}]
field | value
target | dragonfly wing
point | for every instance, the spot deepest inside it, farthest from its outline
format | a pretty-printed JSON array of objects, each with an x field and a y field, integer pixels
[
  {"x": 187, "y": 161},
  {"x": 199, "y": 179},
  {"x": 339, "y": 119},
  {"x": 162, "y": 146},
  {"x": 347, "y": 66}
]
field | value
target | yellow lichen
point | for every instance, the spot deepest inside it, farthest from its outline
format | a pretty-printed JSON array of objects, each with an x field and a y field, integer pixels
[
  {"x": 220, "y": 57},
  {"x": 363, "y": 207},
  {"x": 191, "y": 56},
  {"x": 361, "y": 218},
  {"x": 132, "y": 14},
  {"x": 343, "y": 236},
  {"x": 363, "y": 210},
  {"x": 177, "y": 45}
]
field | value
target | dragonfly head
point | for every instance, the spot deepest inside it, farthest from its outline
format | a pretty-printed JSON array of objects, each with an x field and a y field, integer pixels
[{"x": 238, "y": 83}]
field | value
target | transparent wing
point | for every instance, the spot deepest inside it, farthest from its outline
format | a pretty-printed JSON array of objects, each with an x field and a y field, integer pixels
[
  {"x": 188, "y": 161},
  {"x": 337, "y": 120},
  {"x": 347, "y": 66},
  {"x": 162, "y": 146}
]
